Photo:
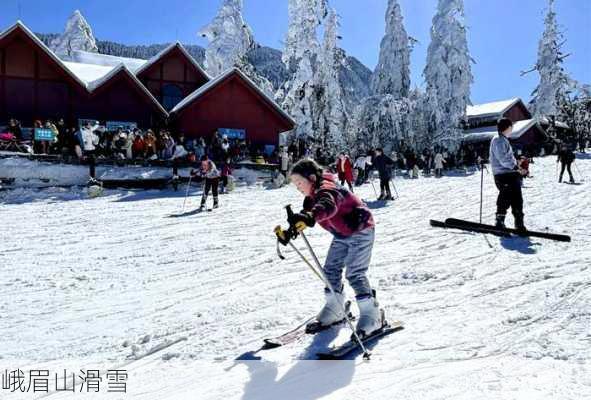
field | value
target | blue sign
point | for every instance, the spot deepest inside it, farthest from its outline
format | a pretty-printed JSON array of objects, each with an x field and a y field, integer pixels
[
  {"x": 114, "y": 125},
  {"x": 44, "y": 134},
  {"x": 233, "y": 133}
]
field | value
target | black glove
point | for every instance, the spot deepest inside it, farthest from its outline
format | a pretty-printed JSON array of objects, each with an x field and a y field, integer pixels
[
  {"x": 282, "y": 236},
  {"x": 301, "y": 220}
]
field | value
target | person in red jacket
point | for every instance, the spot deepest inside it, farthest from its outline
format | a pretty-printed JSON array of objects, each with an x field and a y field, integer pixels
[
  {"x": 351, "y": 223},
  {"x": 345, "y": 170}
]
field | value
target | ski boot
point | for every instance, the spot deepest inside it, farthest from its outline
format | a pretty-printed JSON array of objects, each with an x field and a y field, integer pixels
[
  {"x": 371, "y": 317},
  {"x": 519, "y": 224},
  {"x": 332, "y": 312},
  {"x": 215, "y": 202},
  {"x": 500, "y": 221},
  {"x": 382, "y": 196},
  {"x": 203, "y": 200}
]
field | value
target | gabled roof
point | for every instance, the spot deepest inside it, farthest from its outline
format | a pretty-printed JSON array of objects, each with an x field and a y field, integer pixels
[
  {"x": 164, "y": 52},
  {"x": 488, "y": 132},
  {"x": 495, "y": 108},
  {"x": 219, "y": 79},
  {"x": 88, "y": 76},
  {"x": 18, "y": 25},
  {"x": 94, "y": 85}
]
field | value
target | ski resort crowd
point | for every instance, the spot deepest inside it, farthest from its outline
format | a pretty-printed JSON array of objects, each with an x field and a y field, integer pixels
[{"x": 126, "y": 144}]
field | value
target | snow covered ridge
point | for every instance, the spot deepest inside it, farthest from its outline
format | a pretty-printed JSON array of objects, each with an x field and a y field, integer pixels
[{"x": 112, "y": 278}]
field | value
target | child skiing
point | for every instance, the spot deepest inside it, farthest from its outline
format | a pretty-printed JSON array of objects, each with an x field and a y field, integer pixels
[
  {"x": 211, "y": 175},
  {"x": 507, "y": 175},
  {"x": 351, "y": 223}
]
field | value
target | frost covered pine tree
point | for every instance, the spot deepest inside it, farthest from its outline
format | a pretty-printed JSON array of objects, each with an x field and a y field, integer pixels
[
  {"x": 230, "y": 39},
  {"x": 554, "y": 82},
  {"x": 332, "y": 115},
  {"x": 300, "y": 56},
  {"x": 77, "y": 36},
  {"x": 385, "y": 118},
  {"x": 392, "y": 73},
  {"x": 448, "y": 74}
]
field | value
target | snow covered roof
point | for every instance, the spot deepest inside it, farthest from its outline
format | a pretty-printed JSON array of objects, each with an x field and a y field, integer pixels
[
  {"x": 495, "y": 108},
  {"x": 87, "y": 72},
  {"x": 488, "y": 132},
  {"x": 165, "y": 51},
  {"x": 214, "y": 82},
  {"x": 86, "y": 57},
  {"x": 19, "y": 25}
]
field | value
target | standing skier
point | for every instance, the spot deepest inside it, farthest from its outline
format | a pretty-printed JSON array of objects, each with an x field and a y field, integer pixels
[
  {"x": 566, "y": 158},
  {"x": 507, "y": 175},
  {"x": 439, "y": 161},
  {"x": 209, "y": 172},
  {"x": 350, "y": 222},
  {"x": 345, "y": 170},
  {"x": 383, "y": 164}
]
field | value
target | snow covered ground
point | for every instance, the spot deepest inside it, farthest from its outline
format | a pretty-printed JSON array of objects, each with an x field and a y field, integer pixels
[{"x": 105, "y": 280}]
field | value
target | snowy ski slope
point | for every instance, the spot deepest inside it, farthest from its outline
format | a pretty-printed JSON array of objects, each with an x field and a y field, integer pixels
[{"x": 105, "y": 280}]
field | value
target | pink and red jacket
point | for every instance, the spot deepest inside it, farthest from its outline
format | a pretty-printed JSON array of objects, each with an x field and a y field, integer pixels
[{"x": 337, "y": 210}]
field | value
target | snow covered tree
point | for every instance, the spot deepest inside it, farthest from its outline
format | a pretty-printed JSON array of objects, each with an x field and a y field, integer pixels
[
  {"x": 574, "y": 108},
  {"x": 554, "y": 82},
  {"x": 332, "y": 116},
  {"x": 300, "y": 55},
  {"x": 448, "y": 74},
  {"x": 383, "y": 121},
  {"x": 77, "y": 36},
  {"x": 230, "y": 39},
  {"x": 392, "y": 74}
]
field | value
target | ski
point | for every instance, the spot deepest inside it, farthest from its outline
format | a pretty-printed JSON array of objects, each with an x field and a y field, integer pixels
[
  {"x": 483, "y": 228},
  {"x": 544, "y": 235},
  {"x": 348, "y": 347},
  {"x": 301, "y": 331},
  {"x": 441, "y": 224}
]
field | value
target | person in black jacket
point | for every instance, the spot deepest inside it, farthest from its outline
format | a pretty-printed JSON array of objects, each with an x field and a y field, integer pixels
[
  {"x": 383, "y": 164},
  {"x": 14, "y": 127},
  {"x": 566, "y": 158}
]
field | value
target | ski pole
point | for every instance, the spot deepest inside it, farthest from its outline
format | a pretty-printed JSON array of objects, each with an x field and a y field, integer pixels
[
  {"x": 374, "y": 188},
  {"x": 366, "y": 353},
  {"x": 578, "y": 171},
  {"x": 394, "y": 187},
  {"x": 481, "y": 188},
  {"x": 187, "y": 192}
]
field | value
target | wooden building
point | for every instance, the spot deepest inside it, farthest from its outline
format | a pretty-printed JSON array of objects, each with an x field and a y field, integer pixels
[
  {"x": 231, "y": 101},
  {"x": 170, "y": 87}
]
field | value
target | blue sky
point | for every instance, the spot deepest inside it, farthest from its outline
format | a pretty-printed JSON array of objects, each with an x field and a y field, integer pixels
[{"x": 503, "y": 34}]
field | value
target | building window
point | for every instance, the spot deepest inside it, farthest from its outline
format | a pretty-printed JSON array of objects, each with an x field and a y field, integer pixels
[{"x": 171, "y": 96}]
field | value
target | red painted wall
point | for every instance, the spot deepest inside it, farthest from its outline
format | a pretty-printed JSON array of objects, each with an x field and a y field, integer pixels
[
  {"x": 232, "y": 104},
  {"x": 173, "y": 68},
  {"x": 119, "y": 100},
  {"x": 32, "y": 85}
]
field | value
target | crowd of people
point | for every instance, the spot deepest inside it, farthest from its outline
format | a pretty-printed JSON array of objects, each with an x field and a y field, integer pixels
[
  {"x": 124, "y": 143},
  {"x": 131, "y": 143}
]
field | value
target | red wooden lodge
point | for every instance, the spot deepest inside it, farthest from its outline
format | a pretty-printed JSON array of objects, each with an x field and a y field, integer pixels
[{"x": 170, "y": 90}]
